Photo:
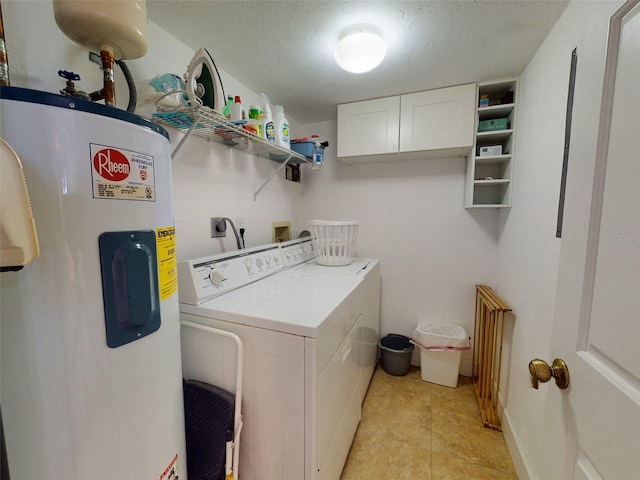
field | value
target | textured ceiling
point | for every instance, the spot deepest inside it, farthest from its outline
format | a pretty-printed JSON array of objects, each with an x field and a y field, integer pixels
[{"x": 285, "y": 48}]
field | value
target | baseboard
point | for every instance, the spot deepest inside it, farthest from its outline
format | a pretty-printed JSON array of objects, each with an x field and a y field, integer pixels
[
  {"x": 513, "y": 445},
  {"x": 415, "y": 357},
  {"x": 466, "y": 367}
]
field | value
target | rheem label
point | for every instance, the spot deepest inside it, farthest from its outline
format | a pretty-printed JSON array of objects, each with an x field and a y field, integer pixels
[{"x": 122, "y": 174}]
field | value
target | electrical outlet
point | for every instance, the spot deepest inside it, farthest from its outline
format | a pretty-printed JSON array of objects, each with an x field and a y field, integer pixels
[{"x": 218, "y": 227}]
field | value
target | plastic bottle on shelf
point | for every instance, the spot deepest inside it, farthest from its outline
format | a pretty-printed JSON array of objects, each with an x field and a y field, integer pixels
[
  {"x": 268, "y": 129},
  {"x": 255, "y": 119},
  {"x": 236, "y": 110},
  {"x": 317, "y": 155},
  {"x": 281, "y": 125},
  {"x": 267, "y": 126},
  {"x": 226, "y": 111}
]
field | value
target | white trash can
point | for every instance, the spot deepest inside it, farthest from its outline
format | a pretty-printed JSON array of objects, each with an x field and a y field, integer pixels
[{"x": 441, "y": 348}]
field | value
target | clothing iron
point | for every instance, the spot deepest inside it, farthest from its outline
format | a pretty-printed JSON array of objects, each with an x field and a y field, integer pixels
[{"x": 203, "y": 80}]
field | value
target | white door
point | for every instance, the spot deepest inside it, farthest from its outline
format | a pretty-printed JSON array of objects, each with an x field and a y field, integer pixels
[{"x": 593, "y": 427}]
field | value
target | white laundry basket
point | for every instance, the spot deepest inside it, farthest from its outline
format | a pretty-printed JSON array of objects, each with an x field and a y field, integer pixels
[{"x": 334, "y": 240}]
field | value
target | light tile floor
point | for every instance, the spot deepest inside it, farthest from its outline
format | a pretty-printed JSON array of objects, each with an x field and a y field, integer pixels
[{"x": 412, "y": 429}]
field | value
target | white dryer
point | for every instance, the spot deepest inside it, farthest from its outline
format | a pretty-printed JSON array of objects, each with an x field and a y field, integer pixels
[{"x": 310, "y": 336}]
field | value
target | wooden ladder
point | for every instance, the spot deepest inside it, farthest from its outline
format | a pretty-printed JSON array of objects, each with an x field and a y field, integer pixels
[{"x": 487, "y": 353}]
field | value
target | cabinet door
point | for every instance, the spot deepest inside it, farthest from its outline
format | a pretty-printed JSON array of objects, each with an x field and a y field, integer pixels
[
  {"x": 369, "y": 128},
  {"x": 437, "y": 119}
]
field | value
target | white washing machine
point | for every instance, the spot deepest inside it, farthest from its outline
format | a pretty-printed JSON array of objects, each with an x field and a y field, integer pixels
[{"x": 310, "y": 336}]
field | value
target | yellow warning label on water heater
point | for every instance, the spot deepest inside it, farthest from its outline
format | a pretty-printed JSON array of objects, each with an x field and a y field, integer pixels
[{"x": 167, "y": 261}]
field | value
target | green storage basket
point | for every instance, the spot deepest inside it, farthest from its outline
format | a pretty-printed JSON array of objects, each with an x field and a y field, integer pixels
[{"x": 492, "y": 125}]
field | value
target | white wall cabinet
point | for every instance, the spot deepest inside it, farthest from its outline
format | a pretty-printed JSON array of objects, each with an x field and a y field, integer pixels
[
  {"x": 489, "y": 177},
  {"x": 434, "y": 123},
  {"x": 369, "y": 128}
]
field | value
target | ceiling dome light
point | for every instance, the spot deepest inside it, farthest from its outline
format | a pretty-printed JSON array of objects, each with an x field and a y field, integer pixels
[{"x": 360, "y": 48}]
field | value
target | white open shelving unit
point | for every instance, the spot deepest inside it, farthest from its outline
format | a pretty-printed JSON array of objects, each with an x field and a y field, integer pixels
[{"x": 489, "y": 178}]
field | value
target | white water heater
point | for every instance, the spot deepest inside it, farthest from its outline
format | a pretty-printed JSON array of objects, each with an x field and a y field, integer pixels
[{"x": 90, "y": 336}]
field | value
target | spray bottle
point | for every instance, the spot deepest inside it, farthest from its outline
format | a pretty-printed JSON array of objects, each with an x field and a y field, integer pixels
[
  {"x": 226, "y": 111},
  {"x": 317, "y": 155},
  {"x": 255, "y": 120}
]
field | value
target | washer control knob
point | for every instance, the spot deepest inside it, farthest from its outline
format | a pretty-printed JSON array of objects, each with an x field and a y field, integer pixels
[
  {"x": 248, "y": 263},
  {"x": 216, "y": 277}
]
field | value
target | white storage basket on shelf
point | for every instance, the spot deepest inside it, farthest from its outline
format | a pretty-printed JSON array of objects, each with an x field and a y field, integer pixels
[{"x": 334, "y": 241}]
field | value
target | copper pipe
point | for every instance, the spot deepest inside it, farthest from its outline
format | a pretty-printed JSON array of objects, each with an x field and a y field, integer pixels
[
  {"x": 97, "y": 95},
  {"x": 4, "y": 60},
  {"x": 108, "y": 63}
]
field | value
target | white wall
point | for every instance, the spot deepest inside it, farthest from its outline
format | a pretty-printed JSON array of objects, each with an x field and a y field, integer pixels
[
  {"x": 433, "y": 251},
  {"x": 528, "y": 252},
  {"x": 209, "y": 179}
]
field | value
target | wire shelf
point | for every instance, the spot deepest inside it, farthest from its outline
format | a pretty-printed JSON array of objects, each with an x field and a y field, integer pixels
[{"x": 206, "y": 123}]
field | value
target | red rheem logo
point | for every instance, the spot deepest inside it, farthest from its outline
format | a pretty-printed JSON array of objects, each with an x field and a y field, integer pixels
[{"x": 111, "y": 164}]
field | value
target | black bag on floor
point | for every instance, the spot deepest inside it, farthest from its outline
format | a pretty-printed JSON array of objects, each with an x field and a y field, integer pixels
[{"x": 209, "y": 413}]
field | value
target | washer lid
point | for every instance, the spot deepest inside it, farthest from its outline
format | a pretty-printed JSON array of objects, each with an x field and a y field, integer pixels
[
  {"x": 284, "y": 303},
  {"x": 358, "y": 267}
]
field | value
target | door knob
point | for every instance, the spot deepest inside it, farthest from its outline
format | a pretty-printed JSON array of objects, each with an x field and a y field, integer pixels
[{"x": 541, "y": 372}]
